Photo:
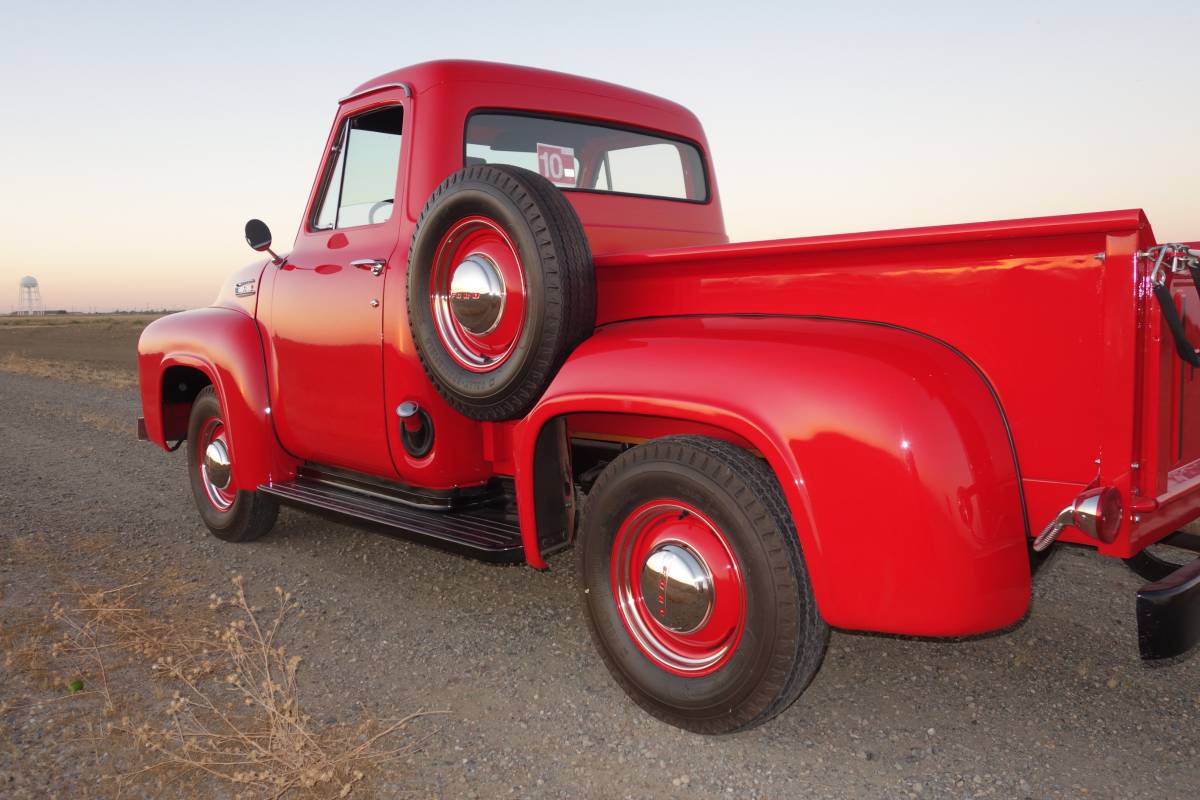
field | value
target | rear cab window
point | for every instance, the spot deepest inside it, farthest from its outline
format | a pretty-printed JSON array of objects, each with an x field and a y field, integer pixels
[{"x": 589, "y": 157}]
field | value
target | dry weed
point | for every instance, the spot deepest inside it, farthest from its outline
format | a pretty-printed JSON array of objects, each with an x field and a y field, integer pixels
[
  {"x": 228, "y": 705},
  {"x": 26, "y": 647}
]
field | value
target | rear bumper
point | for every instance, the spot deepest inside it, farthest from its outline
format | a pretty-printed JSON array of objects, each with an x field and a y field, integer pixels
[{"x": 1168, "y": 613}]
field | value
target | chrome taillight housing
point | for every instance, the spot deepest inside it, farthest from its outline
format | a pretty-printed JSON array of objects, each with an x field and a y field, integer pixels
[{"x": 1097, "y": 512}]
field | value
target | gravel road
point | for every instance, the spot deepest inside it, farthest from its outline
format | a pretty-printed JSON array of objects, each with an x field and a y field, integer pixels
[{"x": 1059, "y": 706}]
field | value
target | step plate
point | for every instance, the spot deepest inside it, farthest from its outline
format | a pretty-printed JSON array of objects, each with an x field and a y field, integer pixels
[{"x": 473, "y": 533}]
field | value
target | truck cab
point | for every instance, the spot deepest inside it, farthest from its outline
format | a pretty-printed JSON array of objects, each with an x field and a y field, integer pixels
[
  {"x": 511, "y": 323},
  {"x": 633, "y": 187}
]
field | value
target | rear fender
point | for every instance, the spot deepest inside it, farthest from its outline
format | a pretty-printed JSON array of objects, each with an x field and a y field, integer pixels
[
  {"x": 890, "y": 447},
  {"x": 224, "y": 345}
]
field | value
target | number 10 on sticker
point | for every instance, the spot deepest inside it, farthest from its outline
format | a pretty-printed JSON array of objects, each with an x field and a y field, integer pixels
[{"x": 557, "y": 164}]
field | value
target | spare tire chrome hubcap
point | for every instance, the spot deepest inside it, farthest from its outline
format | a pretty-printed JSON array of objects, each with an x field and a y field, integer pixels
[{"x": 477, "y": 294}]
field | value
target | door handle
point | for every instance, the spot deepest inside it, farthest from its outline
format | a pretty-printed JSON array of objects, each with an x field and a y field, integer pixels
[{"x": 376, "y": 265}]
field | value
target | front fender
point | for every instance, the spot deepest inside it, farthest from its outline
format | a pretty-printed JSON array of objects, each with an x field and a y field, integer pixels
[
  {"x": 224, "y": 344},
  {"x": 889, "y": 445}
]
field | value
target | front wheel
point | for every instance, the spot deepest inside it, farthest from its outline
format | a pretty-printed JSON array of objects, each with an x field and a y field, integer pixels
[
  {"x": 694, "y": 585},
  {"x": 232, "y": 514}
]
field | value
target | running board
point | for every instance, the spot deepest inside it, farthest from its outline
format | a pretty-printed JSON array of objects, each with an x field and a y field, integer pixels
[{"x": 483, "y": 533}]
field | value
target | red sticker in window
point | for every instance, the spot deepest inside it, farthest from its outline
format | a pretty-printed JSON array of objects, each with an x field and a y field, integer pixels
[{"x": 556, "y": 164}]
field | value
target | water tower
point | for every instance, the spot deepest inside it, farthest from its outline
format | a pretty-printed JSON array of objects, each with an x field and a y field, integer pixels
[{"x": 29, "y": 300}]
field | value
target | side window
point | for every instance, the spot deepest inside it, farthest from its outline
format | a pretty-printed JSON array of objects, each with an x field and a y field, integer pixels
[{"x": 360, "y": 182}]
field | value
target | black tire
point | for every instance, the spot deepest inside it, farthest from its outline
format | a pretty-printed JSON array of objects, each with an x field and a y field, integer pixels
[
  {"x": 560, "y": 309},
  {"x": 250, "y": 515},
  {"x": 784, "y": 638}
]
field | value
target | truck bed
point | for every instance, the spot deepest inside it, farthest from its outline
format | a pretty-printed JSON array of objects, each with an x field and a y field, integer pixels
[{"x": 1054, "y": 311}]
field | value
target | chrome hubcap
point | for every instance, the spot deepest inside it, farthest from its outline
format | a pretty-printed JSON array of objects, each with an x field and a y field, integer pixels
[
  {"x": 216, "y": 471},
  {"x": 677, "y": 588},
  {"x": 477, "y": 295},
  {"x": 216, "y": 465}
]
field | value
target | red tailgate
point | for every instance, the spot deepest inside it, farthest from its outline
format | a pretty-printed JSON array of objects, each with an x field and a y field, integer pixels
[{"x": 1169, "y": 481}]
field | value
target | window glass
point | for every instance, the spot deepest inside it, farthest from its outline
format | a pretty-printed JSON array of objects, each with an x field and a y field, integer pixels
[
  {"x": 327, "y": 216},
  {"x": 361, "y": 186},
  {"x": 588, "y": 157},
  {"x": 602, "y": 181},
  {"x": 647, "y": 169}
]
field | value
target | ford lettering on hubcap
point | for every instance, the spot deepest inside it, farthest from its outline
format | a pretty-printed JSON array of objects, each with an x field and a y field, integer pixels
[
  {"x": 477, "y": 295},
  {"x": 677, "y": 588}
]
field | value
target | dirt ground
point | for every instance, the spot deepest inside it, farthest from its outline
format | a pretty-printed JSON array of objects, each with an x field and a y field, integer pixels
[{"x": 1060, "y": 706}]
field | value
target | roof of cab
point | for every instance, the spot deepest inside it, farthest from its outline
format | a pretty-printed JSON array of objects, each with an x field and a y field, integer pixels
[{"x": 420, "y": 77}]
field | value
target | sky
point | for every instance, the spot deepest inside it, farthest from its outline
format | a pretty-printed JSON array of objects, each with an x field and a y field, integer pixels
[{"x": 139, "y": 137}]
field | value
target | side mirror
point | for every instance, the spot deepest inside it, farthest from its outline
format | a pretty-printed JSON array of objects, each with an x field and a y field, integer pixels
[{"x": 258, "y": 236}]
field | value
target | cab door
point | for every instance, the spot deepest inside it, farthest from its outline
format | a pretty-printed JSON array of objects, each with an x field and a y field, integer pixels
[{"x": 327, "y": 301}]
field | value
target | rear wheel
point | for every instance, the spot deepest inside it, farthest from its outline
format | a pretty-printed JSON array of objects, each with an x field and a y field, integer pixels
[
  {"x": 695, "y": 587},
  {"x": 230, "y": 513}
]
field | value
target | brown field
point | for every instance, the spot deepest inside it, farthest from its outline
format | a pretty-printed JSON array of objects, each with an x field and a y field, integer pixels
[
  {"x": 85, "y": 348},
  {"x": 106, "y": 342}
]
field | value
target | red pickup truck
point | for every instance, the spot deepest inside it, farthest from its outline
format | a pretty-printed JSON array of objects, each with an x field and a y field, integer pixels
[{"x": 511, "y": 322}]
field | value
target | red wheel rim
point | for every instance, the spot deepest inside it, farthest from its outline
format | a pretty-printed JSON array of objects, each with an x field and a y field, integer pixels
[
  {"x": 478, "y": 246},
  {"x": 215, "y": 464},
  {"x": 678, "y": 587}
]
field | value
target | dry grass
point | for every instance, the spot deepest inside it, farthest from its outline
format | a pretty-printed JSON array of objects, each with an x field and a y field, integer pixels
[
  {"x": 67, "y": 371},
  {"x": 25, "y": 646},
  {"x": 137, "y": 320},
  {"x": 223, "y": 705}
]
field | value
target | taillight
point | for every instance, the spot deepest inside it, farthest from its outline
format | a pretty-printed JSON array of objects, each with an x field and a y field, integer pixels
[{"x": 1097, "y": 512}]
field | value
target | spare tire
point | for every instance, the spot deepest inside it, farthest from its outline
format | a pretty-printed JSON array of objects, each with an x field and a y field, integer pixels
[{"x": 500, "y": 288}]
